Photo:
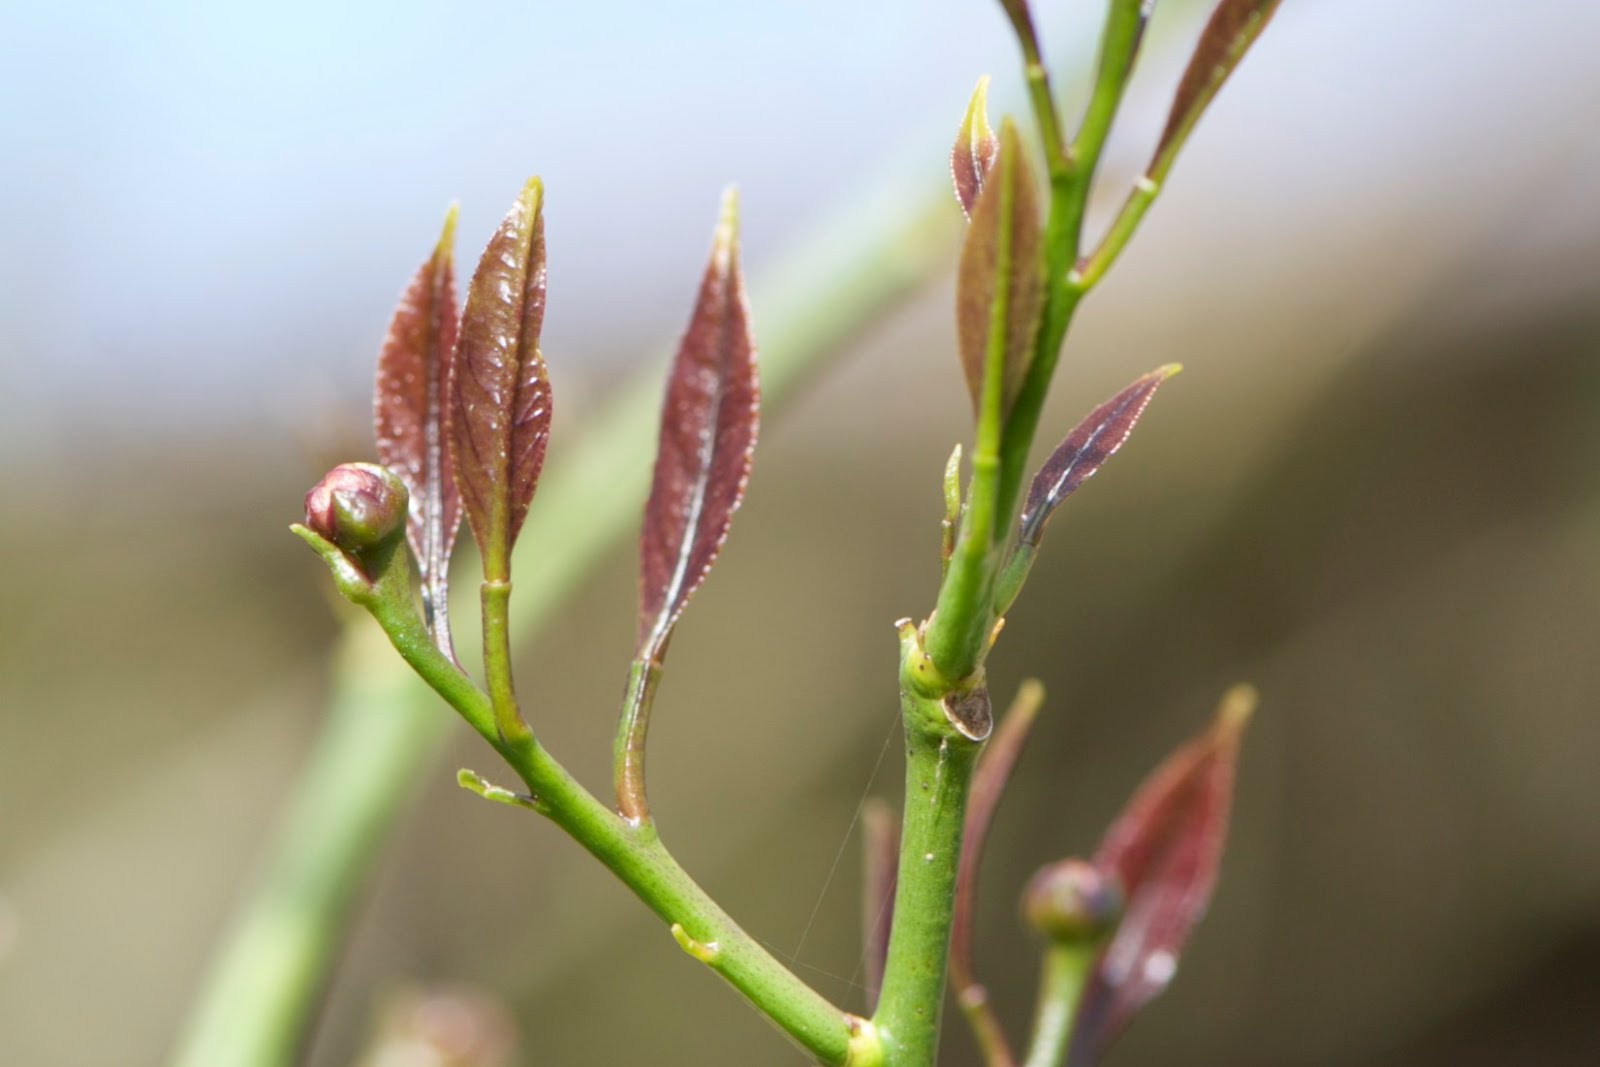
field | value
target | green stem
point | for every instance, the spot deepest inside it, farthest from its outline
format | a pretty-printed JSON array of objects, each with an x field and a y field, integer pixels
[
  {"x": 943, "y": 735},
  {"x": 1119, "y": 47},
  {"x": 1040, "y": 97},
  {"x": 635, "y": 854},
  {"x": 1094, "y": 266},
  {"x": 961, "y": 623},
  {"x": 510, "y": 724},
  {"x": 642, "y": 863},
  {"x": 371, "y": 758},
  {"x": 1066, "y": 969}
]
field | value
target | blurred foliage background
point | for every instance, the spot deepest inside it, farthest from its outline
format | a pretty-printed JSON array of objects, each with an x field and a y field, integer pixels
[{"x": 1373, "y": 493}]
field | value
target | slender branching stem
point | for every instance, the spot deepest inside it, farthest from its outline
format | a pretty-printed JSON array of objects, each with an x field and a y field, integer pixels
[
  {"x": 1040, "y": 96},
  {"x": 636, "y": 855}
]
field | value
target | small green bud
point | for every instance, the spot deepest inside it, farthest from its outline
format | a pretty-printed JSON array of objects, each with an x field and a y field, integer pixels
[
  {"x": 357, "y": 506},
  {"x": 1072, "y": 901}
]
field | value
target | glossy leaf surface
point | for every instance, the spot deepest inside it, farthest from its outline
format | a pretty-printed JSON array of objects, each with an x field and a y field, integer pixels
[
  {"x": 708, "y": 436},
  {"x": 500, "y": 392},
  {"x": 1165, "y": 849},
  {"x": 975, "y": 149},
  {"x": 1233, "y": 27},
  {"x": 1000, "y": 286},
  {"x": 1085, "y": 450},
  {"x": 410, "y": 407}
]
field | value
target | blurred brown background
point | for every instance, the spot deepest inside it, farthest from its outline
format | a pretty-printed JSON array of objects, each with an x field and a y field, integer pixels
[{"x": 1373, "y": 493}]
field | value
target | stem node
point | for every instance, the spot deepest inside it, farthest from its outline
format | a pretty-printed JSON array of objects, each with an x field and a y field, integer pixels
[{"x": 706, "y": 952}]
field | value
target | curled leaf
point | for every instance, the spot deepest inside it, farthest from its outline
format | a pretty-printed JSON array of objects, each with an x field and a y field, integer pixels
[
  {"x": 410, "y": 408},
  {"x": 499, "y": 390},
  {"x": 1000, "y": 285},
  {"x": 880, "y": 849},
  {"x": 1164, "y": 849},
  {"x": 1232, "y": 29},
  {"x": 975, "y": 149},
  {"x": 708, "y": 436},
  {"x": 1085, "y": 449}
]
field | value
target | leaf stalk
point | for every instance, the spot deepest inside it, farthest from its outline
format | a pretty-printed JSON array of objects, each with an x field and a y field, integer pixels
[
  {"x": 1065, "y": 971},
  {"x": 632, "y": 729}
]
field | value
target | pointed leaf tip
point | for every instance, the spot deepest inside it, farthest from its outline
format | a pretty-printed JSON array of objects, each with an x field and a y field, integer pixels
[
  {"x": 500, "y": 390},
  {"x": 1086, "y": 449},
  {"x": 1000, "y": 284},
  {"x": 707, "y": 442},
  {"x": 1237, "y": 708},
  {"x": 725, "y": 241},
  {"x": 447, "y": 234},
  {"x": 975, "y": 149},
  {"x": 410, "y": 417},
  {"x": 1165, "y": 849}
]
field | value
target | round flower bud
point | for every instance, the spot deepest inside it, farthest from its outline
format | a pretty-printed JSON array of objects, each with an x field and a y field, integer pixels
[
  {"x": 1072, "y": 900},
  {"x": 357, "y": 506}
]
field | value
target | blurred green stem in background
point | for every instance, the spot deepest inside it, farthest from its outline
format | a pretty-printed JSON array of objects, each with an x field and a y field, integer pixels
[{"x": 383, "y": 729}]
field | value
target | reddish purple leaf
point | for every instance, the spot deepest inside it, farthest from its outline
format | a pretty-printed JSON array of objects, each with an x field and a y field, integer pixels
[
  {"x": 880, "y": 849},
  {"x": 1085, "y": 450},
  {"x": 708, "y": 437},
  {"x": 988, "y": 783},
  {"x": 1232, "y": 29},
  {"x": 989, "y": 780},
  {"x": 500, "y": 393},
  {"x": 409, "y": 419},
  {"x": 975, "y": 149},
  {"x": 1165, "y": 849},
  {"x": 1000, "y": 283}
]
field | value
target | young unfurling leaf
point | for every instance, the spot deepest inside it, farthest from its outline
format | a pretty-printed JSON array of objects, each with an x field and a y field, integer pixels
[
  {"x": 1085, "y": 449},
  {"x": 973, "y": 154},
  {"x": 499, "y": 392},
  {"x": 1000, "y": 286},
  {"x": 410, "y": 405},
  {"x": 1232, "y": 29},
  {"x": 1164, "y": 849},
  {"x": 708, "y": 436}
]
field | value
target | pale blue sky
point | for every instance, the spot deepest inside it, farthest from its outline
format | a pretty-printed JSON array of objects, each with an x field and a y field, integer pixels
[{"x": 213, "y": 204}]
